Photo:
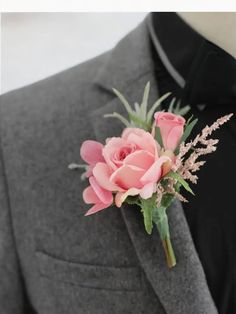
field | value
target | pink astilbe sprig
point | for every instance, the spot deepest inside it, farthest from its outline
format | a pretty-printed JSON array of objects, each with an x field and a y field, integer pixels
[
  {"x": 179, "y": 196},
  {"x": 160, "y": 192},
  {"x": 207, "y": 131},
  {"x": 169, "y": 189},
  {"x": 190, "y": 165},
  {"x": 172, "y": 190}
]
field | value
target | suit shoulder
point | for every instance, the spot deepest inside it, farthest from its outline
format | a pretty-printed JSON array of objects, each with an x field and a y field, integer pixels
[{"x": 66, "y": 84}]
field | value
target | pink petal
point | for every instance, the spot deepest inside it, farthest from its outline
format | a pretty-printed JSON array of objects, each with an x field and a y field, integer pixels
[
  {"x": 118, "y": 198},
  {"x": 104, "y": 195},
  {"x": 139, "y": 132},
  {"x": 96, "y": 208},
  {"x": 91, "y": 152},
  {"x": 147, "y": 191},
  {"x": 155, "y": 171},
  {"x": 102, "y": 174},
  {"x": 121, "y": 196},
  {"x": 145, "y": 142},
  {"x": 140, "y": 158},
  {"x": 113, "y": 145},
  {"x": 174, "y": 137},
  {"x": 89, "y": 196},
  {"x": 127, "y": 177}
]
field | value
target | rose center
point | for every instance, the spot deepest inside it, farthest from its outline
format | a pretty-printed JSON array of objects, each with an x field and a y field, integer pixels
[{"x": 123, "y": 152}]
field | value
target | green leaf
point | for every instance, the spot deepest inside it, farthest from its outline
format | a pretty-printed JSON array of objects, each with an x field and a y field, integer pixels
[
  {"x": 183, "y": 111},
  {"x": 167, "y": 199},
  {"x": 143, "y": 107},
  {"x": 132, "y": 200},
  {"x": 147, "y": 207},
  {"x": 137, "y": 108},
  {"x": 147, "y": 215},
  {"x": 189, "y": 120},
  {"x": 188, "y": 130},
  {"x": 119, "y": 117},
  {"x": 178, "y": 177},
  {"x": 123, "y": 100},
  {"x": 155, "y": 106},
  {"x": 159, "y": 137},
  {"x": 177, "y": 110},
  {"x": 138, "y": 122},
  {"x": 171, "y": 107}
]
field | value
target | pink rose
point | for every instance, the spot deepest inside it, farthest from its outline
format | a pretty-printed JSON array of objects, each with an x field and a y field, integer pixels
[
  {"x": 132, "y": 165},
  {"x": 171, "y": 128}
]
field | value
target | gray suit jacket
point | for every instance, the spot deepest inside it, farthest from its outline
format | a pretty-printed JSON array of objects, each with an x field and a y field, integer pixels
[{"x": 53, "y": 259}]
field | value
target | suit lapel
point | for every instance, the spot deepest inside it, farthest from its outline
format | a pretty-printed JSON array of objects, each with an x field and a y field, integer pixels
[{"x": 184, "y": 287}]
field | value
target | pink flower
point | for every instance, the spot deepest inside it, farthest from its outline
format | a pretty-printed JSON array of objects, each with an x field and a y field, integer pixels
[
  {"x": 132, "y": 165},
  {"x": 95, "y": 194},
  {"x": 91, "y": 153},
  {"x": 171, "y": 128}
]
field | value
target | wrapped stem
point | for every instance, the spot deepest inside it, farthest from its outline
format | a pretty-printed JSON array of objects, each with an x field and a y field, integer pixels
[
  {"x": 161, "y": 220},
  {"x": 157, "y": 215},
  {"x": 170, "y": 255}
]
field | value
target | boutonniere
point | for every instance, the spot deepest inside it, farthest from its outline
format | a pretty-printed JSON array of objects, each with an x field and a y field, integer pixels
[{"x": 148, "y": 164}]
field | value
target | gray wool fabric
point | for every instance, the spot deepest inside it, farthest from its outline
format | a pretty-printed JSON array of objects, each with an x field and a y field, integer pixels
[{"x": 53, "y": 260}]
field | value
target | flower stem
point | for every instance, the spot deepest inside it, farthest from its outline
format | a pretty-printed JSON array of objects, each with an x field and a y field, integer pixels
[{"x": 170, "y": 255}]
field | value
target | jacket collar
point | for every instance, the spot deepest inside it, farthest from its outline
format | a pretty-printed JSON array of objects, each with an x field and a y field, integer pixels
[
  {"x": 130, "y": 59},
  {"x": 128, "y": 67},
  {"x": 176, "y": 51}
]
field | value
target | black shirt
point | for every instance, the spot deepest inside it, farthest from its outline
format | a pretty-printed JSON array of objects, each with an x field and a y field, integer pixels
[{"x": 204, "y": 76}]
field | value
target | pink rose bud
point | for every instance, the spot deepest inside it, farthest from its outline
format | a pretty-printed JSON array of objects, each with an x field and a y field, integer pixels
[{"x": 171, "y": 128}]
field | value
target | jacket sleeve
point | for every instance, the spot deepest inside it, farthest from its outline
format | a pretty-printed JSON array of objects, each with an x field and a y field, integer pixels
[{"x": 11, "y": 292}]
